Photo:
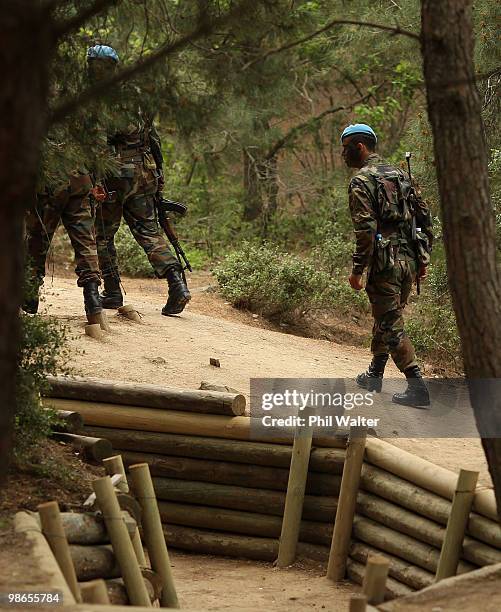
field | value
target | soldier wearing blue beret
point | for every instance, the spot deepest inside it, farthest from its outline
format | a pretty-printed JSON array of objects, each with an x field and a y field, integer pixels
[{"x": 393, "y": 234}]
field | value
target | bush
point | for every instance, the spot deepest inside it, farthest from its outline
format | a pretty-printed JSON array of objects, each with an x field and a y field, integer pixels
[
  {"x": 276, "y": 284},
  {"x": 132, "y": 260},
  {"x": 42, "y": 351}
]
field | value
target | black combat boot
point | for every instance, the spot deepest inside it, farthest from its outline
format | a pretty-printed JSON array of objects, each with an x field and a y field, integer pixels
[
  {"x": 179, "y": 294},
  {"x": 112, "y": 296},
  {"x": 372, "y": 379},
  {"x": 91, "y": 298},
  {"x": 416, "y": 394}
]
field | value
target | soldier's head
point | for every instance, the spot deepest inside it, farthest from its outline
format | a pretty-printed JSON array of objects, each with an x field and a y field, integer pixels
[
  {"x": 358, "y": 141},
  {"x": 102, "y": 61}
]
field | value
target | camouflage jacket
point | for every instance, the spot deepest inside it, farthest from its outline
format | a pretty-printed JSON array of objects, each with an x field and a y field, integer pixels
[{"x": 363, "y": 200}]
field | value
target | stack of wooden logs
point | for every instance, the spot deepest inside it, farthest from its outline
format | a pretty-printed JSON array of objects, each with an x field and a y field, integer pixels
[
  {"x": 222, "y": 491},
  {"x": 93, "y": 557}
]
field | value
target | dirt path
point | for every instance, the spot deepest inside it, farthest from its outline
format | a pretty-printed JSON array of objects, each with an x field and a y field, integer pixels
[{"x": 175, "y": 351}]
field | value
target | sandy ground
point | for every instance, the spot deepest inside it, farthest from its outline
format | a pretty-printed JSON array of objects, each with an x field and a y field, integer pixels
[{"x": 175, "y": 351}]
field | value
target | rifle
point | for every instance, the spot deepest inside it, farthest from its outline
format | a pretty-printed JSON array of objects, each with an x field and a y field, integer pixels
[
  {"x": 412, "y": 201},
  {"x": 164, "y": 207}
]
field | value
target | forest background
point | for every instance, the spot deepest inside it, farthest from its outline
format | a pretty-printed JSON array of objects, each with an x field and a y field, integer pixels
[{"x": 250, "y": 114}]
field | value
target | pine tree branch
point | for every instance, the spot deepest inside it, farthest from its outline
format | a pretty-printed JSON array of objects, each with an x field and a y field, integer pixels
[
  {"x": 293, "y": 132},
  {"x": 395, "y": 30},
  {"x": 81, "y": 18},
  {"x": 102, "y": 87}
]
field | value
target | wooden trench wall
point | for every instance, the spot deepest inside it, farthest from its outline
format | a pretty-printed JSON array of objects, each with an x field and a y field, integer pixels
[{"x": 221, "y": 493}]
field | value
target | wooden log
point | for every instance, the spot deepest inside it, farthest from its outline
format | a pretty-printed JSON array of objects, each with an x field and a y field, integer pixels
[
  {"x": 117, "y": 592},
  {"x": 336, "y": 568},
  {"x": 177, "y": 422},
  {"x": 358, "y": 603},
  {"x": 235, "y": 521},
  {"x": 316, "y": 507},
  {"x": 456, "y": 526},
  {"x": 394, "y": 589},
  {"x": 406, "y": 573},
  {"x": 121, "y": 542},
  {"x": 52, "y": 577},
  {"x": 398, "y": 544},
  {"x": 422, "y": 529},
  {"x": 223, "y": 472},
  {"x": 425, "y": 503},
  {"x": 53, "y": 530},
  {"x": 376, "y": 575},
  {"x": 93, "y": 562},
  {"x": 99, "y": 319},
  {"x": 294, "y": 498},
  {"x": 69, "y": 421},
  {"x": 327, "y": 460},
  {"x": 142, "y": 486},
  {"x": 233, "y": 545},
  {"x": 146, "y": 395},
  {"x": 426, "y": 475},
  {"x": 93, "y": 330},
  {"x": 89, "y": 528},
  {"x": 92, "y": 449},
  {"x": 129, "y": 312},
  {"x": 115, "y": 465},
  {"x": 94, "y": 592}
]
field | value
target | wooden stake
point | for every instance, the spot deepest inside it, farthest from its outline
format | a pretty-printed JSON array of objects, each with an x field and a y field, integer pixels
[
  {"x": 142, "y": 486},
  {"x": 121, "y": 542},
  {"x": 294, "y": 499},
  {"x": 115, "y": 465},
  {"x": 94, "y": 331},
  {"x": 53, "y": 530},
  {"x": 128, "y": 311},
  {"x": 376, "y": 574},
  {"x": 346, "y": 505},
  {"x": 99, "y": 319},
  {"x": 358, "y": 603},
  {"x": 94, "y": 592},
  {"x": 456, "y": 526}
]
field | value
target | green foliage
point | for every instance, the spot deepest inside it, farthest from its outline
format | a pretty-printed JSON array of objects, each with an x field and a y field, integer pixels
[
  {"x": 132, "y": 260},
  {"x": 42, "y": 351},
  {"x": 279, "y": 285},
  {"x": 432, "y": 325}
]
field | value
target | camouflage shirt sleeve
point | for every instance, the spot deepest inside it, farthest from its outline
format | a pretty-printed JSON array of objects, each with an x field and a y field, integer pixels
[{"x": 364, "y": 223}]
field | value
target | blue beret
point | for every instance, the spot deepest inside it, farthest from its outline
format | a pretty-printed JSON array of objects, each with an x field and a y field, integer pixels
[
  {"x": 358, "y": 128},
  {"x": 102, "y": 52}
]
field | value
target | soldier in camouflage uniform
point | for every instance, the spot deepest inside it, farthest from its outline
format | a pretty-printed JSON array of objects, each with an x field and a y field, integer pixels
[
  {"x": 382, "y": 205},
  {"x": 72, "y": 204},
  {"x": 132, "y": 193}
]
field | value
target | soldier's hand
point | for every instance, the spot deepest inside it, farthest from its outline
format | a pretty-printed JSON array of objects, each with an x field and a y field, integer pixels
[
  {"x": 356, "y": 281},
  {"x": 423, "y": 272}
]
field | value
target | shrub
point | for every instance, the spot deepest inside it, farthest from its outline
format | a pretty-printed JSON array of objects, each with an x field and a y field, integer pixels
[
  {"x": 42, "y": 351},
  {"x": 132, "y": 260},
  {"x": 264, "y": 279}
]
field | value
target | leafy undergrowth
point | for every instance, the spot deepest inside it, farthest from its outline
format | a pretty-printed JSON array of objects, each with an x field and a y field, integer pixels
[{"x": 52, "y": 471}]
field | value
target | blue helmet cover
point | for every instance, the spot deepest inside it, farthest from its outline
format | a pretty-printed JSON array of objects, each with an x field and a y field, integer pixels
[
  {"x": 102, "y": 52},
  {"x": 358, "y": 128}
]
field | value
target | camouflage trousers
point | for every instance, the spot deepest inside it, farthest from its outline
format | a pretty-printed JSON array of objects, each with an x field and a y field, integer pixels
[
  {"x": 137, "y": 206},
  {"x": 77, "y": 215},
  {"x": 388, "y": 293}
]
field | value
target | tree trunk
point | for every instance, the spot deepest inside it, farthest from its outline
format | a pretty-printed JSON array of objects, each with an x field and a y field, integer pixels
[
  {"x": 454, "y": 109},
  {"x": 23, "y": 99},
  {"x": 253, "y": 200}
]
